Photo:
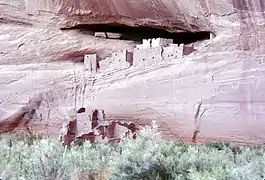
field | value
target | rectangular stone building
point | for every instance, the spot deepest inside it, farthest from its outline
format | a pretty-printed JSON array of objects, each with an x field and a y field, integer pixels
[{"x": 91, "y": 62}]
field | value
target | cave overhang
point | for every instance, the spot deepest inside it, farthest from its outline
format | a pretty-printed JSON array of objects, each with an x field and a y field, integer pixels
[{"x": 138, "y": 33}]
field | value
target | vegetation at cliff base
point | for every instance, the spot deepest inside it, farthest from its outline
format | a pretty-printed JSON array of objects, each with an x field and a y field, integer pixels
[{"x": 147, "y": 158}]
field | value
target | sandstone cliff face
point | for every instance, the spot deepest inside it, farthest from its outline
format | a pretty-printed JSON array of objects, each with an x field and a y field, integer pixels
[
  {"x": 227, "y": 18},
  {"x": 38, "y": 58}
]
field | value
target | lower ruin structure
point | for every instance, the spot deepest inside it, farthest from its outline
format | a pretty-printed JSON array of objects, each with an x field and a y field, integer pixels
[{"x": 95, "y": 127}]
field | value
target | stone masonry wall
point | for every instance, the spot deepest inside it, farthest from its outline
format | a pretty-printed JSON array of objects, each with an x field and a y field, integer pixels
[
  {"x": 117, "y": 61},
  {"x": 150, "y": 51},
  {"x": 142, "y": 56},
  {"x": 173, "y": 51},
  {"x": 159, "y": 50}
]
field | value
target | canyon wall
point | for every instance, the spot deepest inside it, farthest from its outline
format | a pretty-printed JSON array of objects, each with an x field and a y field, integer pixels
[
  {"x": 235, "y": 21},
  {"x": 40, "y": 57}
]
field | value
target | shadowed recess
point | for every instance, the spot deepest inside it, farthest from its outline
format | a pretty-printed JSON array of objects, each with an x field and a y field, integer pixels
[{"x": 138, "y": 33}]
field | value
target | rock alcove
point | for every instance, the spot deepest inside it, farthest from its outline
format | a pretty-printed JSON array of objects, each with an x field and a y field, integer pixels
[{"x": 136, "y": 34}]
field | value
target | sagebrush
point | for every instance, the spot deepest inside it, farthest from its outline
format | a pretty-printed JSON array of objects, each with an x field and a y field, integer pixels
[{"x": 147, "y": 158}]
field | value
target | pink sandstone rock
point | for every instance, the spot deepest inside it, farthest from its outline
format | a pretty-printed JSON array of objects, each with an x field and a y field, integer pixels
[{"x": 225, "y": 72}]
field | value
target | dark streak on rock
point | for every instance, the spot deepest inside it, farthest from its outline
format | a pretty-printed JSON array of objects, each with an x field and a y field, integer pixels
[
  {"x": 20, "y": 45},
  {"x": 81, "y": 110},
  {"x": 75, "y": 56}
]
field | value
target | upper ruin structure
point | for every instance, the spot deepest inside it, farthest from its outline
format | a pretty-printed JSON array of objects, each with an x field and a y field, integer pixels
[{"x": 151, "y": 50}]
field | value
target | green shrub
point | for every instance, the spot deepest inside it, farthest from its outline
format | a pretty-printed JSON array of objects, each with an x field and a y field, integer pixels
[{"x": 147, "y": 157}]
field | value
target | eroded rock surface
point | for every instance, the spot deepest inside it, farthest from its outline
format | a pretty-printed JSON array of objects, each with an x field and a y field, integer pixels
[
  {"x": 225, "y": 72},
  {"x": 22, "y": 117}
]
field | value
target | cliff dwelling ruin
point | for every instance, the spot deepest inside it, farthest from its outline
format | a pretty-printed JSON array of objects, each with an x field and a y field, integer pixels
[{"x": 152, "y": 51}]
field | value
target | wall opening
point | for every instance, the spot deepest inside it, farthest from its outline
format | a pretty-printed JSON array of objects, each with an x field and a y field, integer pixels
[{"x": 138, "y": 33}]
